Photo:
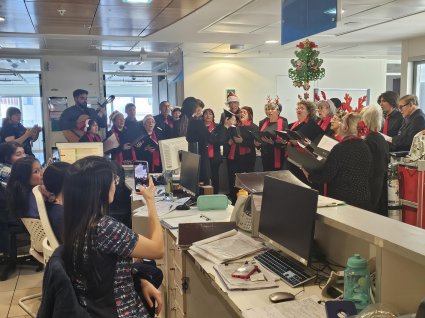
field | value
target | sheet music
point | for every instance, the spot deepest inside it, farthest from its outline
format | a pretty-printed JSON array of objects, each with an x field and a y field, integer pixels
[
  {"x": 110, "y": 143},
  {"x": 228, "y": 246},
  {"x": 327, "y": 143},
  {"x": 304, "y": 308}
]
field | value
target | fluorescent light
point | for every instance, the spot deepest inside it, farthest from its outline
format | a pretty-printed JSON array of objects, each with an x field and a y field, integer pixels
[
  {"x": 272, "y": 42},
  {"x": 2, "y": 19},
  {"x": 137, "y": 1}
]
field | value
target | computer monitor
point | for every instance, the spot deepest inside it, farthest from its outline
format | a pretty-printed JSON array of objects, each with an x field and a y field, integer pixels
[
  {"x": 169, "y": 150},
  {"x": 287, "y": 219},
  {"x": 72, "y": 151},
  {"x": 189, "y": 173}
]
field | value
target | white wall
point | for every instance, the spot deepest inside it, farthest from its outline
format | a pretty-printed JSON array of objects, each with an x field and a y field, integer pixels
[
  {"x": 411, "y": 50},
  {"x": 63, "y": 75},
  {"x": 255, "y": 79}
]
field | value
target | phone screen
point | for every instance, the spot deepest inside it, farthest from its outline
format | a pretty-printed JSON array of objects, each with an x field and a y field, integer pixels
[{"x": 141, "y": 174}]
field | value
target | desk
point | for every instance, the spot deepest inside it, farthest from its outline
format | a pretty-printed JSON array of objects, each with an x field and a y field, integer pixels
[{"x": 192, "y": 288}]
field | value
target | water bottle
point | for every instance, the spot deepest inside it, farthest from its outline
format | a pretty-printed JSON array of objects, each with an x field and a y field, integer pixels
[
  {"x": 168, "y": 178},
  {"x": 357, "y": 282}
]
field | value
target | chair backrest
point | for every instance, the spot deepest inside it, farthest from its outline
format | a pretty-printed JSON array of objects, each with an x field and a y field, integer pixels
[
  {"x": 37, "y": 235},
  {"x": 42, "y": 211}
]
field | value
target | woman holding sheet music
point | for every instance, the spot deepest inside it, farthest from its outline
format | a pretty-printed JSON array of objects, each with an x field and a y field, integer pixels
[
  {"x": 347, "y": 168},
  {"x": 241, "y": 156},
  {"x": 124, "y": 152},
  {"x": 272, "y": 149},
  {"x": 217, "y": 137},
  {"x": 149, "y": 148}
]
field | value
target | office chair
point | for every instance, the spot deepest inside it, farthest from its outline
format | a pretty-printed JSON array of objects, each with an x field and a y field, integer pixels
[{"x": 37, "y": 250}]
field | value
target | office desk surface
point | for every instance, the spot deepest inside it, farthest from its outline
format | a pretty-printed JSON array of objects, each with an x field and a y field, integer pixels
[{"x": 400, "y": 238}]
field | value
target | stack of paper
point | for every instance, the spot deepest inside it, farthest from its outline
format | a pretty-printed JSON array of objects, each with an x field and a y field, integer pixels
[
  {"x": 226, "y": 247},
  {"x": 234, "y": 283},
  {"x": 304, "y": 308}
]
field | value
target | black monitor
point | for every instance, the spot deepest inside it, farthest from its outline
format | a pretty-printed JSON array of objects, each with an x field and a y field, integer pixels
[
  {"x": 287, "y": 218},
  {"x": 189, "y": 173}
]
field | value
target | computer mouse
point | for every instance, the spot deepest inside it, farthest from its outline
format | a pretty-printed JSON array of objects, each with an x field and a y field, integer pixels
[
  {"x": 183, "y": 207},
  {"x": 278, "y": 297}
]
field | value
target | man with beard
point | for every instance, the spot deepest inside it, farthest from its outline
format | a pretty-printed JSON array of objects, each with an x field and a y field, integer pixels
[{"x": 73, "y": 118}]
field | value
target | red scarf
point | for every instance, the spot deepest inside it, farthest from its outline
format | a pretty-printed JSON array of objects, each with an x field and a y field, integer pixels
[
  {"x": 156, "y": 158},
  {"x": 211, "y": 146},
  {"x": 297, "y": 123},
  {"x": 242, "y": 150},
  {"x": 94, "y": 138},
  {"x": 325, "y": 123},
  {"x": 349, "y": 138},
  {"x": 277, "y": 153},
  {"x": 385, "y": 129},
  {"x": 338, "y": 137},
  {"x": 118, "y": 156}
]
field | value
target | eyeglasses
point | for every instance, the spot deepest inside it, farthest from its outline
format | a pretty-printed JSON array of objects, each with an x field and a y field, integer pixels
[
  {"x": 116, "y": 180},
  {"x": 401, "y": 106}
]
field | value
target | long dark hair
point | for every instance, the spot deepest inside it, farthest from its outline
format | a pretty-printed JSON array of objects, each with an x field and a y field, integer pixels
[
  {"x": 19, "y": 186},
  {"x": 7, "y": 149},
  {"x": 86, "y": 200},
  {"x": 188, "y": 109}
]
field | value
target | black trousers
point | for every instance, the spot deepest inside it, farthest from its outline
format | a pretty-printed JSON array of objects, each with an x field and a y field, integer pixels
[{"x": 240, "y": 164}]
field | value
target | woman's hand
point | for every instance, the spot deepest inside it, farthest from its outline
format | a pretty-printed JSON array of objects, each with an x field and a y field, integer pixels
[
  {"x": 280, "y": 140},
  {"x": 230, "y": 142},
  {"x": 228, "y": 122},
  {"x": 238, "y": 139},
  {"x": 267, "y": 140},
  {"x": 149, "y": 191},
  {"x": 126, "y": 146},
  {"x": 149, "y": 291},
  {"x": 149, "y": 148}
]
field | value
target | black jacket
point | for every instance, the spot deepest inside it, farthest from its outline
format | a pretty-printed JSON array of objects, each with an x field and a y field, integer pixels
[
  {"x": 410, "y": 127},
  {"x": 59, "y": 298},
  {"x": 346, "y": 172},
  {"x": 378, "y": 178},
  {"x": 395, "y": 119}
]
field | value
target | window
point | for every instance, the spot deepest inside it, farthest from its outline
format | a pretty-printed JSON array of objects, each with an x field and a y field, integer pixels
[
  {"x": 419, "y": 82},
  {"x": 143, "y": 105}
]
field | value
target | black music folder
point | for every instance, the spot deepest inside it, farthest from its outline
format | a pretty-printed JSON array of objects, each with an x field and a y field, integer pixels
[{"x": 304, "y": 159}]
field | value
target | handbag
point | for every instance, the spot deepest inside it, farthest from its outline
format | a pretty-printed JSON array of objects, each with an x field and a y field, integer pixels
[{"x": 212, "y": 202}]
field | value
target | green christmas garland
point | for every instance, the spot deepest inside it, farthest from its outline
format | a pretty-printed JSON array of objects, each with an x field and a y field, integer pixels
[{"x": 307, "y": 66}]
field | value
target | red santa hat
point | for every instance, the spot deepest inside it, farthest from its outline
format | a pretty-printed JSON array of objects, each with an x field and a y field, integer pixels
[{"x": 232, "y": 98}]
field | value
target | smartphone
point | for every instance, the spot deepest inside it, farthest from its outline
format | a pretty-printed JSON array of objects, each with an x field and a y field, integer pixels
[
  {"x": 245, "y": 271},
  {"x": 141, "y": 174}
]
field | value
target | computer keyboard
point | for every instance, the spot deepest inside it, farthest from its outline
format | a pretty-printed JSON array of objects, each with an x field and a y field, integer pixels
[{"x": 286, "y": 269}]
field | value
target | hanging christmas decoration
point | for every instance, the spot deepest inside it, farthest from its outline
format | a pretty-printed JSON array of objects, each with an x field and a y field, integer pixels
[{"x": 307, "y": 66}]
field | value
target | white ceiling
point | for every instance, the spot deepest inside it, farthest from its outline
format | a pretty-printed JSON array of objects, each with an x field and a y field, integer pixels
[{"x": 368, "y": 29}]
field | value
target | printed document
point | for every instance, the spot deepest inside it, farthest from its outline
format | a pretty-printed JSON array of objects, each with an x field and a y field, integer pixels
[
  {"x": 304, "y": 308},
  {"x": 110, "y": 143}
]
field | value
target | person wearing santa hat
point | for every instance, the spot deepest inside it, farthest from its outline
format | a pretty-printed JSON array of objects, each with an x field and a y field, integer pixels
[{"x": 233, "y": 104}]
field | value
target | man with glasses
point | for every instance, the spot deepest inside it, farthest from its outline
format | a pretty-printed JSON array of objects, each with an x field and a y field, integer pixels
[{"x": 413, "y": 122}]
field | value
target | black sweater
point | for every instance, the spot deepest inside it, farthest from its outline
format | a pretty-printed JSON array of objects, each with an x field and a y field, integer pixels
[{"x": 346, "y": 172}]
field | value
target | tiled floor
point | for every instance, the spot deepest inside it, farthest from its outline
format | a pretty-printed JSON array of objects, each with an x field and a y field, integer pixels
[{"x": 23, "y": 282}]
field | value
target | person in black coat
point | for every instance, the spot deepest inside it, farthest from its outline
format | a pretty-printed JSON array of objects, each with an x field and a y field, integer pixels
[
  {"x": 218, "y": 136},
  {"x": 272, "y": 150},
  {"x": 393, "y": 118},
  {"x": 241, "y": 156},
  {"x": 164, "y": 121},
  {"x": 148, "y": 149},
  {"x": 347, "y": 168},
  {"x": 368, "y": 129},
  {"x": 125, "y": 152},
  {"x": 413, "y": 122}
]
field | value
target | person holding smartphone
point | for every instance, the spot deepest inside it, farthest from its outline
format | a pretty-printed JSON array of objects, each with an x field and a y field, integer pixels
[
  {"x": 13, "y": 130},
  {"x": 98, "y": 249}
]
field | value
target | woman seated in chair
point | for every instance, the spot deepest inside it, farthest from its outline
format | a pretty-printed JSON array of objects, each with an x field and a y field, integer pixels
[
  {"x": 98, "y": 250},
  {"x": 26, "y": 173},
  {"x": 53, "y": 181}
]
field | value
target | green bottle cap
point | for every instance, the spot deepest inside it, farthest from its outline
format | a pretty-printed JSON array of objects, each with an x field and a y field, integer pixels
[{"x": 356, "y": 261}]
